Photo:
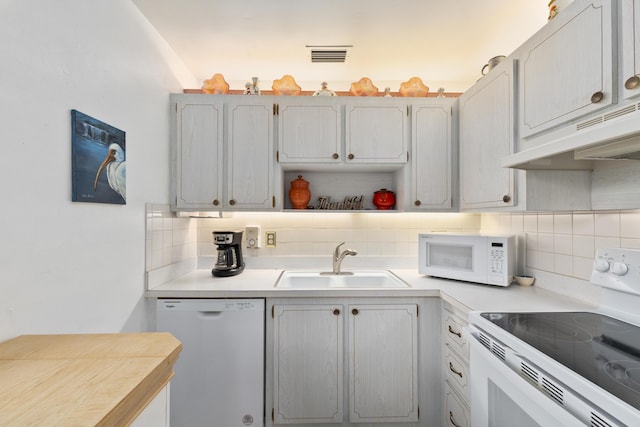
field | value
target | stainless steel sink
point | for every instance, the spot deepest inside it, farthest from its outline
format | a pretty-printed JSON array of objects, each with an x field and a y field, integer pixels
[{"x": 308, "y": 279}]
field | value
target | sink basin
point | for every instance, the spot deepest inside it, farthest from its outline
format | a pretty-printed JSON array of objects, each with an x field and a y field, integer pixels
[{"x": 354, "y": 279}]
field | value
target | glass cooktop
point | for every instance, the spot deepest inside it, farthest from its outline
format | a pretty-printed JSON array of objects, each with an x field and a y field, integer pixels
[{"x": 604, "y": 350}]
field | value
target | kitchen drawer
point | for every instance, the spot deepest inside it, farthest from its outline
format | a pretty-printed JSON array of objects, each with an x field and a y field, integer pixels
[
  {"x": 455, "y": 411},
  {"x": 457, "y": 373},
  {"x": 453, "y": 334}
]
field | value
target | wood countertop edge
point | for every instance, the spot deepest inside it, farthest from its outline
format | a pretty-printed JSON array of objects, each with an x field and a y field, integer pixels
[{"x": 137, "y": 400}]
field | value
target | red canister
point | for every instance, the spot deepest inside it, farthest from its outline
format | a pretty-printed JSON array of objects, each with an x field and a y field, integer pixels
[{"x": 384, "y": 199}]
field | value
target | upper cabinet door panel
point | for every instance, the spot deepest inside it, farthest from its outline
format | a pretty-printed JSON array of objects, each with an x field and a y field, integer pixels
[
  {"x": 309, "y": 130},
  {"x": 376, "y": 133},
  {"x": 486, "y": 136},
  {"x": 567, "y": 71},
  {"x": 630, "y": 38},
  {"x": 199, "y": 128},
  {"x": 250, "y": 156}
]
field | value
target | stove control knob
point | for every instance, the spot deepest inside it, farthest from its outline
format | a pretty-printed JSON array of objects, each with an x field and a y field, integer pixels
[
  {"x": 619, "y": 268},
  {"x": 601, "y": 265}
]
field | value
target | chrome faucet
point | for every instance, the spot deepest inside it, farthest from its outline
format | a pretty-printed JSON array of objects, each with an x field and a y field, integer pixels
[{"x": 338, "y": 257}]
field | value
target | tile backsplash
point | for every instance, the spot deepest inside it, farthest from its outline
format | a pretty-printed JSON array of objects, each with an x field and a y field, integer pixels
[
  {"x": 172, "y": 239},
  {"x": 565, "y": 243}
]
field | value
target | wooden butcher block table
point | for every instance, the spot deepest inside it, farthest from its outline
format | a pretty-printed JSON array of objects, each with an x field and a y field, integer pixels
[{"x": 82, "y": 380}]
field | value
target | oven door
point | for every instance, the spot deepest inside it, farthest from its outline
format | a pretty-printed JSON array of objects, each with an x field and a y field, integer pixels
[{"x": 502, "y": 398}]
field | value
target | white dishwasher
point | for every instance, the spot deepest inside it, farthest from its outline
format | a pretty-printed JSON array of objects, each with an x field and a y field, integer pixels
[{"x": 219, "y": 376}]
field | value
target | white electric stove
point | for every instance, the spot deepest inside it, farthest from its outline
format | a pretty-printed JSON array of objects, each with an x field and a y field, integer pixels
[{"x": 562, "y": 368}]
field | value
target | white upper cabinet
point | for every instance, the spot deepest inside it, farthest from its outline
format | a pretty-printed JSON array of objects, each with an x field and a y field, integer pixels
[
  {"x": 197, "y": 152},
  {"x": 376, "y": 132},
  {"x": 566, "y": 69},
  {"x": 309, "y": 130},
  {"x": 630, "y": 42},
  {"x": 486, "y": 136},
  {"x": 431, "y": 163},
  {"x": 250, "y": 154}
]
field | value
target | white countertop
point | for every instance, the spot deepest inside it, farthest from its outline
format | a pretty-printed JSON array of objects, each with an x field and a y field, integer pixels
[{"x": 260, "y": 283}]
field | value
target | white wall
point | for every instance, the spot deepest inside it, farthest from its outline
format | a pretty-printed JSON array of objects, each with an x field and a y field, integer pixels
[{"x": 78, "y": 267}]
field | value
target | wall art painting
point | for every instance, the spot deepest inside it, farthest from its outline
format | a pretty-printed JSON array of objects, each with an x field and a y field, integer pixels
[{"x": 99, "y": 168}]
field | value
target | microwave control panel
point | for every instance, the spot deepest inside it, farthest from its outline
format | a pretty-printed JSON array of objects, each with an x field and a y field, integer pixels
[{"x": 497, "y": 257}]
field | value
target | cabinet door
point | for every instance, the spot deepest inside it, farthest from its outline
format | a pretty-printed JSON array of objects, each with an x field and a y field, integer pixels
[
  {"x": 199, "y": 141},
  {"x": 376, "y": 133},
  {"x": 250, "y": 155},
  {"x": 308, "y": 356},
  {"x": 567, "y": 72},
  {"x": 383, "y": 371},
  {"x": 309, "y": 130},
  {"x": 630, "y": 35},
  {"x": 431, "y": 160},
  {"x": 486, "y": 136}
]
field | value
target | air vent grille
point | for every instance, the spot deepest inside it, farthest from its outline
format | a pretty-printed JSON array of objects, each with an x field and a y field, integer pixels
[
  {"x": 328, "y": 55},
  {"x": 529, "y": 373},
  {"x": 498, "y": 351},
  {"x": 598, "y": 421},
  {"x": 553, "y": 391},
  {"x": 621, "y": 112},
  {"x": 485, "y": 341},
  {"x": 589, "y": 123}
]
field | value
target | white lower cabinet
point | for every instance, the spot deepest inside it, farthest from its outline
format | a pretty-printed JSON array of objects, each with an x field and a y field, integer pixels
[
  {"x": 352, "y": 360},
  {"x": 456, "y": 412},
  {"x": 156, "y": 413}
]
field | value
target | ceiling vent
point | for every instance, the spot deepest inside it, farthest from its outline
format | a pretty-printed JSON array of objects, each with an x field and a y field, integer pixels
[{"x": 336, "y": 53}]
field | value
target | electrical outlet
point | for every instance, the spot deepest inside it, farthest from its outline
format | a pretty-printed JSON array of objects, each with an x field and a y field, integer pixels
[
  {"x": 271, "y": 239},
  {"x": 252, "y": 236}
]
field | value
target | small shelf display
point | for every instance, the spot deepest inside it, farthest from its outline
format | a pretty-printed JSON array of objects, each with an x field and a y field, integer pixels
[{"x": 340, "y": 191}]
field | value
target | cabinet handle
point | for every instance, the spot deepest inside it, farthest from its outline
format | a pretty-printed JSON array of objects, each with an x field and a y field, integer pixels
[
  {"x": 632, "y": 82},
  {"x": 355, "y": 311},
  {"x": 336, "y": 311},
  {"x": 452, "y": 331},
  {"x": 597, "y": 97},
  {"x": 417, "y": 203},
  {"x": 506, "y": 198},
  {"x": 216, "y": 202},
  {"x": 351, "y": 156},
  {"x": 453, "y": 420},
  {"x": 335, "y": 156},
  {"x": 452, "y": 369},
  {"x": 232, "y": 202}
]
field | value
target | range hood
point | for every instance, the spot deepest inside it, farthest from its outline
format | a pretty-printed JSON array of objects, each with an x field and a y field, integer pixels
[{"x": 611, "y": 136}]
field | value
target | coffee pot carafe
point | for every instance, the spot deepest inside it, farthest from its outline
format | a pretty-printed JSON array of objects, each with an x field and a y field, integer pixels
[{"x": 229, "y": 261}]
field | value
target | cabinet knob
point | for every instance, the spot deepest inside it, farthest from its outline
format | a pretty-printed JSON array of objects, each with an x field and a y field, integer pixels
[
  {"x": 597, "y": 97},
  {"x": 335, "y": 156},
  {"x": 336, "y": 311},
  {"x": 632, "y": 82},
  {"x": 506, "y": 198},
  {"x": 351, "y": 156},
  {"x": 417, "y": 203},
  {"x": 216, "y": 202},
  {"x": 355, "y": 311},
  {"x": 232, "y": 202}
]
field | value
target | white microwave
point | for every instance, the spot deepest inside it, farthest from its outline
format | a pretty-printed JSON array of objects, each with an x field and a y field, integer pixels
[{"x": 474, "y": 258}]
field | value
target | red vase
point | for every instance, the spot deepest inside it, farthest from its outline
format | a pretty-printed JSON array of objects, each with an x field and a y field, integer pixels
[
  {"x": 384, "y": 199},
  {"x": 299, "y": 194}
]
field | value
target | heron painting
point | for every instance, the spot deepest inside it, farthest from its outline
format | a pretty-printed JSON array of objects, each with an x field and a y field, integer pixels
[{"x": 99, "y": 167}]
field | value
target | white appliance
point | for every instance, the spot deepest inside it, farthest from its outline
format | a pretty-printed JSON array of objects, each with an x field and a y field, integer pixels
[
  {"x": 562, "y": 368},
  {"x": 485, "y": 259},
  {"x": 219, "y": 376}
]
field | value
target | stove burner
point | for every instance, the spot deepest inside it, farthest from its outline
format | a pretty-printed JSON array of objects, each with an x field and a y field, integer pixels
[
  {"x": 625, "y": 372},
  {"x": 550, "y": 329}
]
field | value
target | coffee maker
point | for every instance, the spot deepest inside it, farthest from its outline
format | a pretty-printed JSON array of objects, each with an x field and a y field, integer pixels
[{"x": 229, "y": 261}]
